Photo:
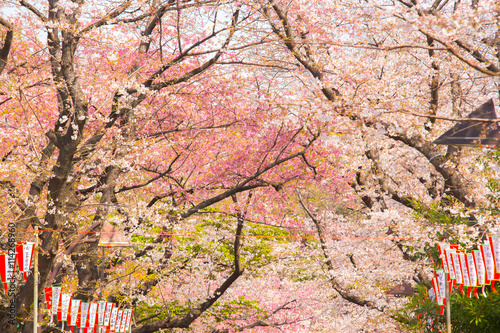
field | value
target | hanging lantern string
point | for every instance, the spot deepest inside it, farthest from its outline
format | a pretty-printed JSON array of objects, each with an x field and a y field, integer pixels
[{"x": 195, "y": 235}]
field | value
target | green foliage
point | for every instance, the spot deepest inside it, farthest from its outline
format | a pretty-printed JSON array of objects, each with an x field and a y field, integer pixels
[
  {"x": 257, "y": 245},
  {"x": 257, "y": 249},
  {"x": 144, "y": 239},
  {"x": 494, "y": 197},
  {"x": 419, "y": 312},
  {"x": 493, "y": 154},
  {"x": 160, "y": 311},
  {"x": 468, "y": 315},
  {"x": 141, "y": 239},
  {"x": 421, "y": 252},
  {"x": 435, "y": 214},
  {"x": 237, "y": 308},
  {"x": 304, "y": 274}
]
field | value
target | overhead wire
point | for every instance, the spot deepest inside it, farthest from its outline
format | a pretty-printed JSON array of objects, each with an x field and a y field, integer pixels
[{"x": 201, "y": 235}]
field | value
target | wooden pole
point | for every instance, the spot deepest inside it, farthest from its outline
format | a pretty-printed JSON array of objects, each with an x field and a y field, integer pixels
[
  {"x": 448, "y": 305},
  {"x": 35, "y": 284}
]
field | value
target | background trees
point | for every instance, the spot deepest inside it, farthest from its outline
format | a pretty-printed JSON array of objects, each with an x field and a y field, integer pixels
[{"x": 236, "y": 140}]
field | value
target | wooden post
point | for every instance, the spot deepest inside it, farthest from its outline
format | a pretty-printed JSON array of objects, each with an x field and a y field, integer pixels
[
  {"x": 448, "y": 305},
  {"x": 35, "y": 284}
]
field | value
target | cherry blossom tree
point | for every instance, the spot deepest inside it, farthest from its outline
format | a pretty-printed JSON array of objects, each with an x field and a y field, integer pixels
[
  {"x": 135, "y": 113},
  {"x": 284, "y": 147},
  {"x": 429, "y": 61},
  {"x": 432, "y": 60}
]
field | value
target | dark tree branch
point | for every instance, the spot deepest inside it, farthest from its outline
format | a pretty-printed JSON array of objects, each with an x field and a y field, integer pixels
[
  {"x": 69, "y": 250},
  {"x": 146, "y": 183},
  {"x": 33, "y": 9},
  {"x": 245, "y": 184},
  {"x": 193, "y": 72},
  {"x": 192, "y": 315},
  {"x": 109, "y": 16},
  {"x": 478, "y": 56},
  {"x": 346, "y": 294},
  {"x": 7, "y": 43}
]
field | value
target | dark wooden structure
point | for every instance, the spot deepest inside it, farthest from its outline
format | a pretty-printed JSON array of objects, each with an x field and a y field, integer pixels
[
  {"x": 401, "y": 290},
  {"x": 474, "y": 133}
]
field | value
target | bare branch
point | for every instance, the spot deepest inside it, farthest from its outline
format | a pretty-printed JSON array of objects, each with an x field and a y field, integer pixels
[
  {"x": 478, "y": 56},
  {"x": 347, "y": 295},
  {"x": 200, "y": 69},
  {"x": 244, "y": 185},
  {"x": 33, "y": 9},
  {"x": 146, "y": 183},
  {"x": 111, "y": 15}
]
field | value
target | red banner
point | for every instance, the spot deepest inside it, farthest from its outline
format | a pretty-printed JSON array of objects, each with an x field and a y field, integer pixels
[{"x": 25, "y": 257}]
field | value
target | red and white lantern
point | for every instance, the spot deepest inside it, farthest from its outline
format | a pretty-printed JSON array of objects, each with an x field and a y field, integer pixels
[
  {"x": 107, "y": 315},
  {"x": 84, "y": 315},
  {"x": 112, "y": 319},
  {"x": 93, "y": 315},
  {"x": 129, "y": 320},
  {"x": 101, "y": 312},
  {"x": 489, "y": 262},
  {"x": 7, "y": 267},
  {"x": 25, "y": 257},
  {"x": 118, "y": 320}
]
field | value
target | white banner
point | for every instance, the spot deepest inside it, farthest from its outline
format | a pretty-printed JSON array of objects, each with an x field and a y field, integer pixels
[
  {"x": 101, "y": 313},
  {"x": 84, "y": 315},
  {"x": 27, "y": 257},
  {"x": 107, "y": 315},
  {"x": 129, "y": 319},
  {"x": 75, "y": 307},
  {"x": 472, "y": 269},
  {"x": 488, "y": 260},
  {"x": 442, "y": 256},
  {"x": 449, "y": 261},
  {"x": 435, "y": 286},
  {"x": 112, "y": 319},
  {"x": 463, "y": 265},
  {"x": 118, "y": 320},
  {"x": 481, "y": 271},
  {"x": 124, "y": 321},
  {"x": 65, "y": 301},
  {"x": 56, "y": 299},
  {"x": 92, "y": 314},
  {"x": 495, "y": 246},
  {"x": 458, "y": 270},
  {"x": 441, "y": 281}
]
